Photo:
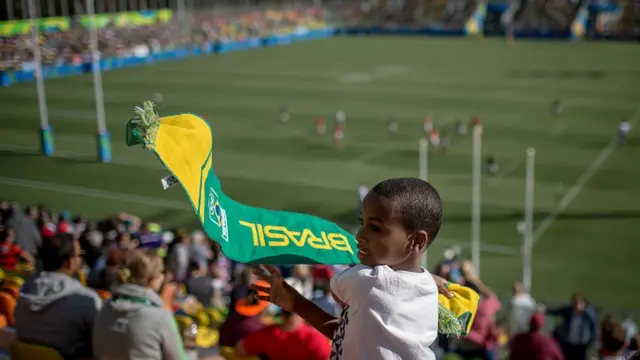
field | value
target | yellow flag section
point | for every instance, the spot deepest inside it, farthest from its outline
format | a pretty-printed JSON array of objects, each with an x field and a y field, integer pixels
[{"x": 183, "y": 144}]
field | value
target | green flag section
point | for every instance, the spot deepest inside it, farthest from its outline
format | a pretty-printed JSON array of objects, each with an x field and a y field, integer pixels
[
  {"x": 22, "y": 27},
  {"x": 124, "y": 19},
  {"x": 245, "y": 233}
]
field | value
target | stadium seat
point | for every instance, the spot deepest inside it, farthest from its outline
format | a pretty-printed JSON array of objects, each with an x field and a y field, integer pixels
[
  {"x": 12, "y": 285},
  {"x": 24, "y": 351},
  {"x": 7, "y": 305},
  {"x": 7, "y": 335},
  {"x": 229, "y": 353}
]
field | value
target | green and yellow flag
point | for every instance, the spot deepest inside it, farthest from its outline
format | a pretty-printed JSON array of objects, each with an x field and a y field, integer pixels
[{"x": 245, "y": 233}]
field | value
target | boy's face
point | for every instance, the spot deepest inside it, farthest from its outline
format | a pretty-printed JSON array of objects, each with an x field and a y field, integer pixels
[{"x": 382, "y": 238}]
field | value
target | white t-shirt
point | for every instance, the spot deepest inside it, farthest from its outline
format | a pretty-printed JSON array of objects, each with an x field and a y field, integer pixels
[
  {"x": 522, "y": 307},
  {"x": 388, "y": 314}
]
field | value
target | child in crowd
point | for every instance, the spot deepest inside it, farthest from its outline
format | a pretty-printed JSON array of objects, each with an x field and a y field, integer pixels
[{"x": 390, "y": 302}]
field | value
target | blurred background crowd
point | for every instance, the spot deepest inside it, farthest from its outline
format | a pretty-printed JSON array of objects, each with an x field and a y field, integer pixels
[
  {"x": 210, "y": 296},
  {"x": 200, "y": 25},
  {"x": 72, "y": 46}
]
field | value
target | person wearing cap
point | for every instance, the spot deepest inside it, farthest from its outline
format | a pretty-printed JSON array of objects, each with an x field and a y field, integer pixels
[
  {"x": 245, "y": 320},
  {"x": 292, "y": 339},
  {"x": 534, "y": 345}
]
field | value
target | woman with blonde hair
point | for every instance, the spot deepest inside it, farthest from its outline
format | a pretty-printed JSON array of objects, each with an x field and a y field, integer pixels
[{"x": 133, "y": 325}]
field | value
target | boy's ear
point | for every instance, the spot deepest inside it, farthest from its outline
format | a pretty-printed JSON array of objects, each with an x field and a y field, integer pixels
[{"x": 419, "y": 241}]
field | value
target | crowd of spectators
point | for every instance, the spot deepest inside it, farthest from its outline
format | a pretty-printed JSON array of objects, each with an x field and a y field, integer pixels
[
  {"x": 72, "y": 46},
  {"x": 517, "y": 328},
  {"x": 82, "y": 263}
]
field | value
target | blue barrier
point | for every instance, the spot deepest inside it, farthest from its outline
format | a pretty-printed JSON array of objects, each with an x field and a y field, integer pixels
[{"x": 20, "y": 76}]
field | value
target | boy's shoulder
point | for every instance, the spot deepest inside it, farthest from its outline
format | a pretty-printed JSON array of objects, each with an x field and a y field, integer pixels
[{"x": 383, "y": 274}]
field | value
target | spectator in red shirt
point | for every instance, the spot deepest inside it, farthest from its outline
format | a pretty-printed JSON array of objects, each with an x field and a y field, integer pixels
[
  {"x": 10, "y": 252},
  {"x": 293, "y": 339},
  {"x": 534, "y": 345}
]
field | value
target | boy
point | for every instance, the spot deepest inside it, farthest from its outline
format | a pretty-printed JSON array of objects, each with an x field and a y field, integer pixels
[{"x": 390, "y": 301}]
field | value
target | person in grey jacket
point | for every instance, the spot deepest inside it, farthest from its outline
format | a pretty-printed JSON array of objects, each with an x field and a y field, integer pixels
[
  {"x": 53, "y": 308},
  {"x": 133, "y": 325}
]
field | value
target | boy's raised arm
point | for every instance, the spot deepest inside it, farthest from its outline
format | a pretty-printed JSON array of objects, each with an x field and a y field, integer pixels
[{"x": 285, "y": 296}]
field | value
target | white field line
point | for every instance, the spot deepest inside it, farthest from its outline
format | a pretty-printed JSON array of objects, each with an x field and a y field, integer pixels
[
  {"x": 96, "y": 193},
  {"x": 575, "y": 190}
]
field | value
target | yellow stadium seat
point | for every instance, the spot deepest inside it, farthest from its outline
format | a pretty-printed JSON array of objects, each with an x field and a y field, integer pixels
[
  {"x": 229, "y": 353},
  {"x": 23, "y": 351}
]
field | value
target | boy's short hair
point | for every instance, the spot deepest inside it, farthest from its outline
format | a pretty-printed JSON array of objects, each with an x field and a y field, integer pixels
[{"x": 415, "y": 202}]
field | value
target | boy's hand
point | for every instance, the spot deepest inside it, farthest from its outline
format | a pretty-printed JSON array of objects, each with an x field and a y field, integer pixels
[
  {"x": 279, "y": 292},
  {"x": 442, "y": 286}
]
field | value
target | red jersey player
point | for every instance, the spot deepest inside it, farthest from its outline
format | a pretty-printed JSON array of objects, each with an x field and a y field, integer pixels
[
  {"x": 338, "y": 135},
  {"x": 435, "y": 138},
  {"x": 321, "y": 126}
]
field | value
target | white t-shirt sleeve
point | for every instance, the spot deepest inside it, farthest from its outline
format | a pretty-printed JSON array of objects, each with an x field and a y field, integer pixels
[{"x": 353, "y": 284}]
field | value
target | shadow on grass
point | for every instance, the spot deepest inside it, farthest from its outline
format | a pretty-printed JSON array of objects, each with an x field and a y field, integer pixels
[{"x": 67, "y": 160}]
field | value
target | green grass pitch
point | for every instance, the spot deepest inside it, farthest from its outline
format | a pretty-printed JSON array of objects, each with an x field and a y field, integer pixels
[{"x": 587, "y": 189}]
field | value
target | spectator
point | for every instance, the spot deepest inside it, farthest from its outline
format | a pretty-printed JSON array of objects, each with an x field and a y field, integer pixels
[
  {"x": 54, "y": 309},
  {"x": 578, "y": 328},
  {"x": 241, "y": 289},
  {"x": 133, "y": 325},
  {"x": 613, "y": 340},
  {"x": 10, "y": 252},
  {"x": 522, "y": 307},
  {"x": 27, "y": 234},
  {"x": 482, "y": 338},
  {"x": 169, "y": 292},
  {"x": 533, "y": 345},
  {"x": 102, "y": 286},
  {"x": 179, "y": 256},
  {"x": 200, "y": 251},
  {"x": 245, "y": 320},
  {"x": 325, "y": 301},
  {"x": 199, "y": 284},
  {"x": 301, "y": 277},
  {"x": 293, "y": 339}
]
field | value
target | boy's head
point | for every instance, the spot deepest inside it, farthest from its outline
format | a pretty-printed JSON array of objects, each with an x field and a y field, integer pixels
[{"x": 400, "y": 219}]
